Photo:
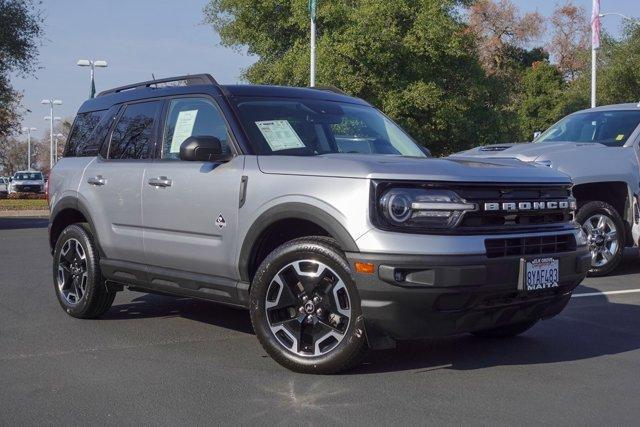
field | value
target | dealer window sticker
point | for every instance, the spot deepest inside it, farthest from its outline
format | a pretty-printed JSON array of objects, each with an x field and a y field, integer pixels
[
  {"x": 184, "y": 128},
  {"x": 279, "y": 135}
]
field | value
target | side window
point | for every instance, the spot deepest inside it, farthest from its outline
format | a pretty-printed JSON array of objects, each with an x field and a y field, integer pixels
[
  {"x": 83, "y": 127},
  {"x": 192, "y": 117},
  {"x": 132, "y": 137}
]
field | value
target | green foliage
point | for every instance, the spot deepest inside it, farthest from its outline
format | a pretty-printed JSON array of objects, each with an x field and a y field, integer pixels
[
  {"x": 619, "y": 70},
  {"x": 414, "y": 59},
  {"x": 20, "y": 30}
]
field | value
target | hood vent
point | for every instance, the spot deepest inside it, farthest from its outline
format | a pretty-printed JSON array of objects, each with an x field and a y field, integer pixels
[{"x": 494, "y": 147}]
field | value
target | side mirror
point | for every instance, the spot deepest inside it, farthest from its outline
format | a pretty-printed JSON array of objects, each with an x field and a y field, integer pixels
[
  {"x": 425, "y": 150},
  {"x": 11, "y": 179},
  {"x": 536, "y": 134},
  {"x": 202, "y": 149}
]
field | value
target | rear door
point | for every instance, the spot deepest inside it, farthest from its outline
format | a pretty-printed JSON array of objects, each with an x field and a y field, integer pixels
[
  {"x": 111, "y": 184},
  {"x": 190, "y": 209}
]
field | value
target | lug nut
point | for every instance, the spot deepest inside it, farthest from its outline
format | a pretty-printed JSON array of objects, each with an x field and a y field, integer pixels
[
  {"x": 319, "y": 312},
  {"x": 301, "y": 309},
  {"x": 305, "y": 298},
  {"x": 310, "y": 318},
  {"x": 316, "y": 300}
]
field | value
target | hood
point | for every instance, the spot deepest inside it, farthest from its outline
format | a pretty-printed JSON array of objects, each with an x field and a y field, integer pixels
[
  {"x": 528, "y": 152},
  {"x": 368, "y": 166}
]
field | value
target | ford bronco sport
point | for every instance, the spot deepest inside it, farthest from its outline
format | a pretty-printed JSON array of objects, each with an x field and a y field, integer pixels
[{"x": 310, "y": 208}]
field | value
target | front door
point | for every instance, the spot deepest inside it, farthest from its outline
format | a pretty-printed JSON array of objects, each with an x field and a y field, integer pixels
[{"x": 190, "y": 209}]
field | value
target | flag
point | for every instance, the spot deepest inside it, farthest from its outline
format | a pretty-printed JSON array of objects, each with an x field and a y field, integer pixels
[
  {"x": 595, "y": 24},
  {"x": 312, "y": 9},
  {"x": 93, "y": 89}
]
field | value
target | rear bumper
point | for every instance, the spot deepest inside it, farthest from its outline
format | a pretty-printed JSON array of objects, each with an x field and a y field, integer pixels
[{"x": 415, "y": 296}]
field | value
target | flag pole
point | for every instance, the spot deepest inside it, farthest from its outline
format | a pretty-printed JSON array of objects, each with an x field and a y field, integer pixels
[
  {"x": 595, "y": 44},
  {"x": 312, "y": 77}
]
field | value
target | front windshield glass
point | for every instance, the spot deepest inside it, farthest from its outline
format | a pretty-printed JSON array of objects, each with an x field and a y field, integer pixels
[
  {"x": 611, "y": 128},
  {"x": 311, "y": 127},
  {"x": 31, "y": 176}
]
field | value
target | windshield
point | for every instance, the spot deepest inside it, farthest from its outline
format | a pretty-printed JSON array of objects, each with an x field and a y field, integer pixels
[
  {"x": 312, "y": 127},
  {"x": 611, "y": 128},
  {"x": 30, "y": 176}
]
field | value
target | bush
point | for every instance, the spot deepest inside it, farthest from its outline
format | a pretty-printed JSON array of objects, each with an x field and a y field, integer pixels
[{"x": 3, "y": 195}]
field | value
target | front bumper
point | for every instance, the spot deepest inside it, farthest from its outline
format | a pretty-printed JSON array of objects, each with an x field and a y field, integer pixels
[{"x": 424, "y": 296}]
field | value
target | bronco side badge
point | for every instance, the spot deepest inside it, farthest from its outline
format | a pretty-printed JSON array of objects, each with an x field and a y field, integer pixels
[{"x": 220, "y": 222}]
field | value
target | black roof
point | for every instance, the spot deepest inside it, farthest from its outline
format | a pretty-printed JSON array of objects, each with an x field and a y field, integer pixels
[{"x": 204, "y": 83}]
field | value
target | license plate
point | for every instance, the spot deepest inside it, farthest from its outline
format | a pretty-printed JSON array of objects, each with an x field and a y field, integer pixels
[{"x": 539, "y": 274}]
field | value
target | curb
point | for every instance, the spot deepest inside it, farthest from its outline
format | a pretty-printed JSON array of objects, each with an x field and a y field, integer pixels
[{"x": 25, "y": 213}]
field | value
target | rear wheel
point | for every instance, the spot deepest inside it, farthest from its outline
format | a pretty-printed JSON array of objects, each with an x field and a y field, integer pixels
[
  {"x": 507, "y": 331},
  {"x": 305, "y": 308},
  {"x": 78, "y": 282},
  {"x": 605, "y": 233}
]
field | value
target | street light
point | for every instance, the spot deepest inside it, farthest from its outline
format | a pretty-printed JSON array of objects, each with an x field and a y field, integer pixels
[
  {"x": 56, "y": 136},
  {"x": 28, "y": 131},
  {"x": 93, "y": 65},
  {"x": 51, "y": 102}
]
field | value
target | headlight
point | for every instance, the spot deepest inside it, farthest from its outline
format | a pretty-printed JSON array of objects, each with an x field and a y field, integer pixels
[{"x": 420, "y": 208}]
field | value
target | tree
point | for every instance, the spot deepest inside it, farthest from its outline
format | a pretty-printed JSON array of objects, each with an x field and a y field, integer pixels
[
  {"x": 414, "y": 59},
  {"x": 13, "y": 155},
  {"x": 20, "y": 30},
  {"x": 570, "y": 39},
  {"x": 618, "y": 71},
  {"x": 42, "y": 149},
  {"x": 541, "y": 103},
  {"x": 500, "y": 28}
]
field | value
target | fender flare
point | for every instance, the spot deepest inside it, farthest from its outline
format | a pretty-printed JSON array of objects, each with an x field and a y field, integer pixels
[
  {"x": 291, "y": 210},
  {"x": 72, "y": 203}
]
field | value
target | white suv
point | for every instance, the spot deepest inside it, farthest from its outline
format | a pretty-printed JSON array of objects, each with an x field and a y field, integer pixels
[{"x": 27, "y": 182}]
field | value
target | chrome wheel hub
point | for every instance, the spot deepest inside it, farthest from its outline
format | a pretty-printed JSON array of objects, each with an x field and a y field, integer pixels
[
  {"x": 602, "y": 236},
  {"x": 308, "y": 308},
  {"x": 72, "y": 272}
]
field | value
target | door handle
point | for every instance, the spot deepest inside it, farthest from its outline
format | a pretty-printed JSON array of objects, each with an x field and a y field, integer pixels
[
  {"x": 97, "y": 180},
  {"x": 161, "y": 181}
]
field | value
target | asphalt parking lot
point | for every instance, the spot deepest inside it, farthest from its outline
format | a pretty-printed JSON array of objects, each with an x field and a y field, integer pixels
[{"x": 159, "y": 360}]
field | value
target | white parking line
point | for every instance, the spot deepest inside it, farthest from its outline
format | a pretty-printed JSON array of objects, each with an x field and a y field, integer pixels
[{"x": 599, "y": 294}]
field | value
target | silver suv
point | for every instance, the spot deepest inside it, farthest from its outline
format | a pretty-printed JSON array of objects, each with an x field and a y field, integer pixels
[{"x": 310, "y": 208}]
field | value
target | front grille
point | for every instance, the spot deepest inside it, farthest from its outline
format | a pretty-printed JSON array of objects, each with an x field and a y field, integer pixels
[
  {"x": 505, "y": 221},
  {"x": 27, "y": 188},
  {"x": 537, "y": 245}
]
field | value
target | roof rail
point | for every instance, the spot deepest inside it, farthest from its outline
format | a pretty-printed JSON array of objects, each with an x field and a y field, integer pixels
[
  {"x": 193, "y": 79},
  {"x": 330, "y": 89}
]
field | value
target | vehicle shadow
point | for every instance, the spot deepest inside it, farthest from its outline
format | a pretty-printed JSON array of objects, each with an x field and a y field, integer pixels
[
  {"x": 588, "y": 327},
  {"x": 18, "y": 223},
  {"x": 151, "y": 305}
]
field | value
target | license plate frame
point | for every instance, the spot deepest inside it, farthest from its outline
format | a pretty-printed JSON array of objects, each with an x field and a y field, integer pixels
[{"x": 545, "y": 274}]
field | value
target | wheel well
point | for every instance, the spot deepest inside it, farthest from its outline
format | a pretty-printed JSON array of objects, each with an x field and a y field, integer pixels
[
  {"x": 278, "y": 233},
  {"x": 613, "y": 193},
  {"x": 64, "y": 219}
]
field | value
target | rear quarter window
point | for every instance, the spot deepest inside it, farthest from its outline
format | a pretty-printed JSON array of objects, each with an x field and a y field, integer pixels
[{"x": 80, "y": 143}]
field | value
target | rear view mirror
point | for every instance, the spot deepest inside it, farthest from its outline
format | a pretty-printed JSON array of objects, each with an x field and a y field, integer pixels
[{"x": 202, "y": 149}]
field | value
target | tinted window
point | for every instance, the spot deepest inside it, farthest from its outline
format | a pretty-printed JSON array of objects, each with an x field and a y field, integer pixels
[
  {"x": 192, "y": 117},
  {"x": 30, "y": 176},
  {"x": 80, "y": 135},
  {"x": 611, "y": 128},
  {"x": 132, "y": 137}
]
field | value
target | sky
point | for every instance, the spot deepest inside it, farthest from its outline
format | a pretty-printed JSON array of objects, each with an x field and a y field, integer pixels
[{"x": 163, "y": 37}]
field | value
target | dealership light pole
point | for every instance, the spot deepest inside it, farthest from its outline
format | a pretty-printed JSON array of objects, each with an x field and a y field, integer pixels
[
  {"x": 51, "y": 102},
  {"x": 56, "y": 137},
  {"x": 93, "y": 65},
  {"x": 28, "y": 131},
  {"x": 312, "y": 71}
]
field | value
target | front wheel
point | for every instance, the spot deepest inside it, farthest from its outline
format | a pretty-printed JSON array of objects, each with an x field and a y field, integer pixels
[
  {"x": 605, "y": 233},
  {"x": 305, "y": 308}
]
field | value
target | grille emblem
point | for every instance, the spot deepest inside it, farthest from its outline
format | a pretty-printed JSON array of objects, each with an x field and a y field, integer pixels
[{"x": 526, "y": 206}]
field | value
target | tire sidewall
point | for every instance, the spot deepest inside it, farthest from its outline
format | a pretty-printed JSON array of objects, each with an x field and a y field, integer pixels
[
  {"x": 93, "y": 269},
  {"x": 334, "y": 360},
  {"x": 601, "y": 208}
]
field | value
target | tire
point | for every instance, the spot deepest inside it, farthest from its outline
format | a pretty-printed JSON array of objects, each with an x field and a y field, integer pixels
[
  {"x": 305, "y": 308},
  {"x": 599, "y": 236},
  {"x": 507, "y": 331},
  {"x": 77, "y": 279}
]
